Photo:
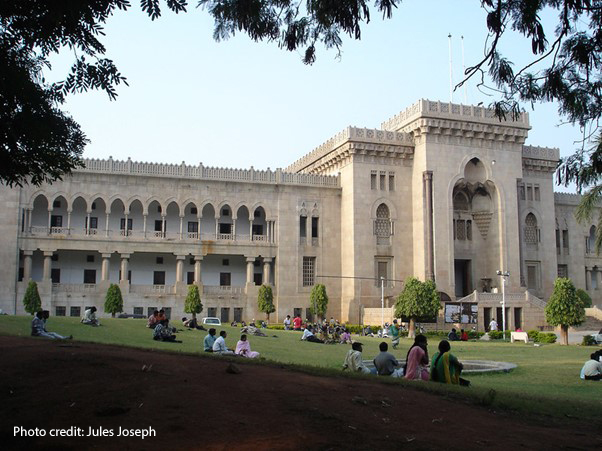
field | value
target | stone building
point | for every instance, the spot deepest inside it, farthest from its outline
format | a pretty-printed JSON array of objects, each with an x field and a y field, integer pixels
[{"x": 441, "y": 191}]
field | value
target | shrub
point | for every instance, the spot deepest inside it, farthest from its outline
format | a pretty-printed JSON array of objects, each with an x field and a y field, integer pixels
[
  {"x": 496, "y": 334},
  {"x": 113, "y": 300},
  {"x": 318, "y": 300},
  {"x": 265, "y": 300},
  {"x": 474, "y": 335},
  {"x": 192, "y": 303},
  {"x": 585, "y": 298},
  {"x": 276, "y": 326},
  {"x": 533, "y": 335},
  {"x": 547, "y": 337},
  {"x": 32, "y": 300},
  {"x": 588, "y": 340}
]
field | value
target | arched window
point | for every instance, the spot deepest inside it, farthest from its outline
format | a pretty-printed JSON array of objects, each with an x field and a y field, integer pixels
[
  {"x": 461, "y": 202},
  {"x": 382, "y": 225},
  {"x": 531, "y": 231}
]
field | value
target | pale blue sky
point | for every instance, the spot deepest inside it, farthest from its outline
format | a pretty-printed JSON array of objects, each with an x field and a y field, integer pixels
[{"x": 239, "y": 104}]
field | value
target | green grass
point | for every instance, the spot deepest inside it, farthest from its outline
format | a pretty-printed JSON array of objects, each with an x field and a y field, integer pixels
[{"x": 546, "y": 380}]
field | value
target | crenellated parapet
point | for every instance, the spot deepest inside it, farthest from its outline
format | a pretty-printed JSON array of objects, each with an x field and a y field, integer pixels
[
  {"x": 129, "y": 167},
  {"x": 352, "y": 140},
  {"x": 540, "y": 159},
  {"x": 567, "y": 199}
]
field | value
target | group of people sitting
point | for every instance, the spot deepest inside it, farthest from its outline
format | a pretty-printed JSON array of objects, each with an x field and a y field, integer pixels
[
  {"x": 444, "y": 368},
  {"x": 218, "y": 345},
  {"x": 453, "y": 335},
  {"x": 328, "y": 334},
  {"x": 592, "y": 370}
]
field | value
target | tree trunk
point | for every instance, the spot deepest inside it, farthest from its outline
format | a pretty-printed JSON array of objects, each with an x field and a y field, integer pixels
[
  {"x": 564, "y": 334},
  {"x": 268, "y": 316},
  {"x": 412, "y": 328},
  {"x": 193, "y": 315},
  {"x": 113, "y": 315}
]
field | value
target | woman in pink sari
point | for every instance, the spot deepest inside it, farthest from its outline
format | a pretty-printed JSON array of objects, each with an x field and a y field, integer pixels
[
  {"x": 243, "y": 348},
  {"x": 417, "y": 360}
]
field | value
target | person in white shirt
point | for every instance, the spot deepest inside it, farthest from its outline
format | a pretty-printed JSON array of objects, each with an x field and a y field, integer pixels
[
  {"x": 219, "y": 347},
  {"x": 308, "y": 335},
  {"x": 287, "y": 322},
  {"x": 592, "y": 370},
  {"x": 90, "y": 317},
  {"x": 354, "y": 361},
  {"x": 492, "y": 325}
]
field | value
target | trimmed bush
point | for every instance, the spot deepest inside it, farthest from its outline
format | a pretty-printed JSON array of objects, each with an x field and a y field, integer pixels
[
  {"x": 496, "y": 334},
  {"x": 276, "y": 326},
  {"x": 31, "y": 300},
  {"x": 474, "y": 335},
  {"x": 113, "y": 300},
  {"x": 546, "y": 337},
  {"x": 588, "y": 340},
  {"x": 533, "y": 335}
]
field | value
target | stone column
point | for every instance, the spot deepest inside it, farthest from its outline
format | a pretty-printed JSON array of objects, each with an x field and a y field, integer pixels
[
  {"x": 234, "y": 228},
  {"x": 27, "y": 265},
  {"x": 250, "y": 230},
  {"x": 69, "y": 222},
  {"x": 197, "y": 269},
  {"x": 199, "y": 228},
  {"x": 47, "y": 265},
  {"x": 180, "y": 267},
  {"x": 124, "y": 268},
  {"x": 216, "y": 227},
  {"x": 599, "y": 279},
  {"x": 49, "y": 218},
  {"x": 126, "y": 231},
  {"x": 88, "y": 223},
  {"x": 430, "y": 253},
  {"x": 105, "y": 266},
  {"x": 181, "y": 226},
  {"x": 163, "y": 225},
  {"x": 588, "y": 278},
  {"x": 266, "y": 270},
  {"x": 107, "y": 224},
  {"x": 250, "y": 262},
  {"x": 144, "y": 225}
]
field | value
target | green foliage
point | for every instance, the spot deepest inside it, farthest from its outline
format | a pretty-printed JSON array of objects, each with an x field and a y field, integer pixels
[
  {"x": 588, "y": 340},
  {"x": 418, "y": 299},
  {"x": 31, "y": 300},
  {"x": 546, "y": 337},
  {"x": 564, "y": 308},
  {"x": 474, "y": 334},
  {"x": 265, "y": 300},
  {"x": 113, "y": 300},
  {"x": 275, "y": 326},
  {"x": 585, "y": 298},
  {"x": 193, "y": 304},
  {"x": 496, "y": 334},
  {"x": 318, "y": 300},
  {"x": 533, "y": 334}
]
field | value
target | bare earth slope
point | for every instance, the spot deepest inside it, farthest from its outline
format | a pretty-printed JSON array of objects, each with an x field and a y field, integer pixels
[{"x": 192, "y": 402}]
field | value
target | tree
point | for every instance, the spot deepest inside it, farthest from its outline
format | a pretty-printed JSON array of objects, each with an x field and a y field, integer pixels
[
  {"x": 113, "y": 300},
  {"x": 564, "y": 308},
  {"x": 265, "y": 300},
  {"x": 585, "y": 298},
  {"x": 318, "y": 300},
  {"x": 31, "y": 300},
  {"x": 418, "y": 299},
  {"x": 38, "y": 142},
  {"x": 193, "y": 301}
]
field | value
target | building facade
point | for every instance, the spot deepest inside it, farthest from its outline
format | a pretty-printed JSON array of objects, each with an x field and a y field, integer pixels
[{"x": 441, "y": 191}]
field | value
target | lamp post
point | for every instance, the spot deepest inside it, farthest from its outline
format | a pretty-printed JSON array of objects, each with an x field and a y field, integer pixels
[
  {"x": 382, "y": 304},
  {"x": 504, "y": 275}
]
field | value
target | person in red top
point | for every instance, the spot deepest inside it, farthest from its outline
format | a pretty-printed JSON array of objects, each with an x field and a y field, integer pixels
[
  {"x": 463, "y": 335},
  {"x": 297, "y": 323}
]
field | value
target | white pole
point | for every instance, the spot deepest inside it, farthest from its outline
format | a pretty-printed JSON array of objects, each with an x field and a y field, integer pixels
[
  {"x": 382, "y": 303},
  {"x": 464, "y": 71},
  {"x": 451, "y": 78}
]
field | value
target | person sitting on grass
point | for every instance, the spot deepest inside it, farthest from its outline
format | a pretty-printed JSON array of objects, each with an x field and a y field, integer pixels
[
  {"x": 592, "y": 370},
  {"x": 463, "y": 335},
  {"x": 162, "y": 332},
  {"x": 243, "y": 348},
  {"x": 354, "y": 362},
  {"x": 162, "y": 315},
  {"x": 445, "y": 367},
  {"x": 219, "y": 347},
  {"x": 192, "y": 323},
  {"x": 308, "y": 335},
  {"x": 417, "y": 360},
  {"x": 346, "y": 337},
  {"x": 89, "y": 318},
  {"x": 453, "y": 336},
  {"x": 153, "y": 320},
  {"x": 385, "y": 363},
  {"x": 38, "y": 327},
  {"x": 209, "y": 340}
]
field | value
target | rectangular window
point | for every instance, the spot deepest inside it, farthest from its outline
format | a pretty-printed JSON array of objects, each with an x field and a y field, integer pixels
[
  {"x": 93, "y": 222},
  {"x": 225, "y": 229},
  {"x": 533, "y": 275},
  {"x": 158, "y": 277},
  {"x": 391, "y": 182},
  {"x": 138, "y": 311},
  {"x": 90, "y": 258},
  {"x": 190, "y": 277},
  {"x": 55, "y": 257},
  {"x": 225, "y": 279},
  {"x": 55, "y": 275},
  {"x": 60, "y": 310},
  {"x": 90, "y": 276},
  {"x": 309, "y": 316},
  {"x": 518, "y": 317},
  {"x": 257, "y": 279},
  {"x": 225, "y": 212},
  {"x": 382, "y": 272},
  {"x": 468, "y": 229},
  {"x": 297, "y": 312},
  {"x": 565, "y": 240},
  {"x": 536, "y": 192},
  {"x": 122, "y": 224},
  {"x": 309, "y": 271},
  {"x": 167, "y": 312},
  {"x": 257, "y": 214},
  {"x": 314, "y": 227},
  {"x": 563, "y": 271},
  {"x": 303, "y": 226},
  {"x": 159, "y": 260},
  {"x": 238, "y": 314},
  {"x": 521, "y": 191},
  {"x": 225, "y": 315},
  {"x": 150, "y": 310},
  {"x": 158, "y": 225},
  {"x": 193, "y": 227},
  {"x": 75, "y": 311},
  {"x": 191, "y": 261},
  {"x": 382, "y": 181},
  {"x": 529, "y": 192},
  {"x": 373, "y": 180},
  {"x": 226, "y": 262},
  {"x": 93, "y": 205},
  {"x": 56, "y": 204},
  {"x": 21, "y": 273},
  {"x": 460, "y": 229},
  {"x": 257, "y": 229},
  {"x": 557, "y": 241},
  {"x": 193, "y": 211},
  {"x": 56, "y": 221},
  {"x": 212, "y": 312}
]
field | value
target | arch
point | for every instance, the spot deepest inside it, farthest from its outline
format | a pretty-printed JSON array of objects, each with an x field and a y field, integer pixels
[
  {"x": 112, "y": 199},
  {"x": 187, "y": 202},
  {"x": 95, "y": 197},
  {"x": 388, "y": 203},
  {"x": 56, "y": 197},
  {"x": 131, "y": 200},
  {"x": 83, "y": 196},
  {"x": 382, "y": 211},
  {"x": 257, "y": 205},
  {"x": 474, "y": 170},
  {"x": 241, "y": 207},
  {"x": 75, "y": 200},
  {"x": 460, "y": 201},
  {"x": 203, "y": 204},
  {"x": 531, "y": 235},
  {"x": 236, "y": 208},
  {"x": 444, "y": 297},
  {"x": 591, "y": 239},
  {"x": 149, "y": 202},
  {"x": 221, "y": 206}
]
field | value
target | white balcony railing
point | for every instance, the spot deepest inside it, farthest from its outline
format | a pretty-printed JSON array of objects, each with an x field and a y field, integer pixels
[
  {"x": 75, "y": 288},
  {"x": 223, "y": 290}
]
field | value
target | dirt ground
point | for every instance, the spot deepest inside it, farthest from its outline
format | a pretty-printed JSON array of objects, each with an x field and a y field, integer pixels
[{"x": 192, "y": 402}]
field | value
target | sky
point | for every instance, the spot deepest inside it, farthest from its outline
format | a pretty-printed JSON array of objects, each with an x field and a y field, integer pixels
[{"x": 239, "y": 104}]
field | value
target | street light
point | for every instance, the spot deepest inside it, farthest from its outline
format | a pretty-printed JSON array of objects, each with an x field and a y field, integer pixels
[
  {"x": 382, "y": 304},
  {"x": 504, "y": 275}
]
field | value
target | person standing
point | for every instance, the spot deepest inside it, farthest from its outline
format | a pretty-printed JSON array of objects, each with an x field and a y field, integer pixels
[
  {"x": 297, "y": 323},
  {"x": 209, "y": 340},
  {"x": 394, "y": 330},
  {"x": 493, "y": 325},
  {"x": 287, "y": 322},
  {"x": 385, "y": 363}
]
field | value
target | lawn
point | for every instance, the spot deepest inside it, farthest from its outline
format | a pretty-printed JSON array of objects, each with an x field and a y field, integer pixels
[{"x": 546, "y": 380}]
